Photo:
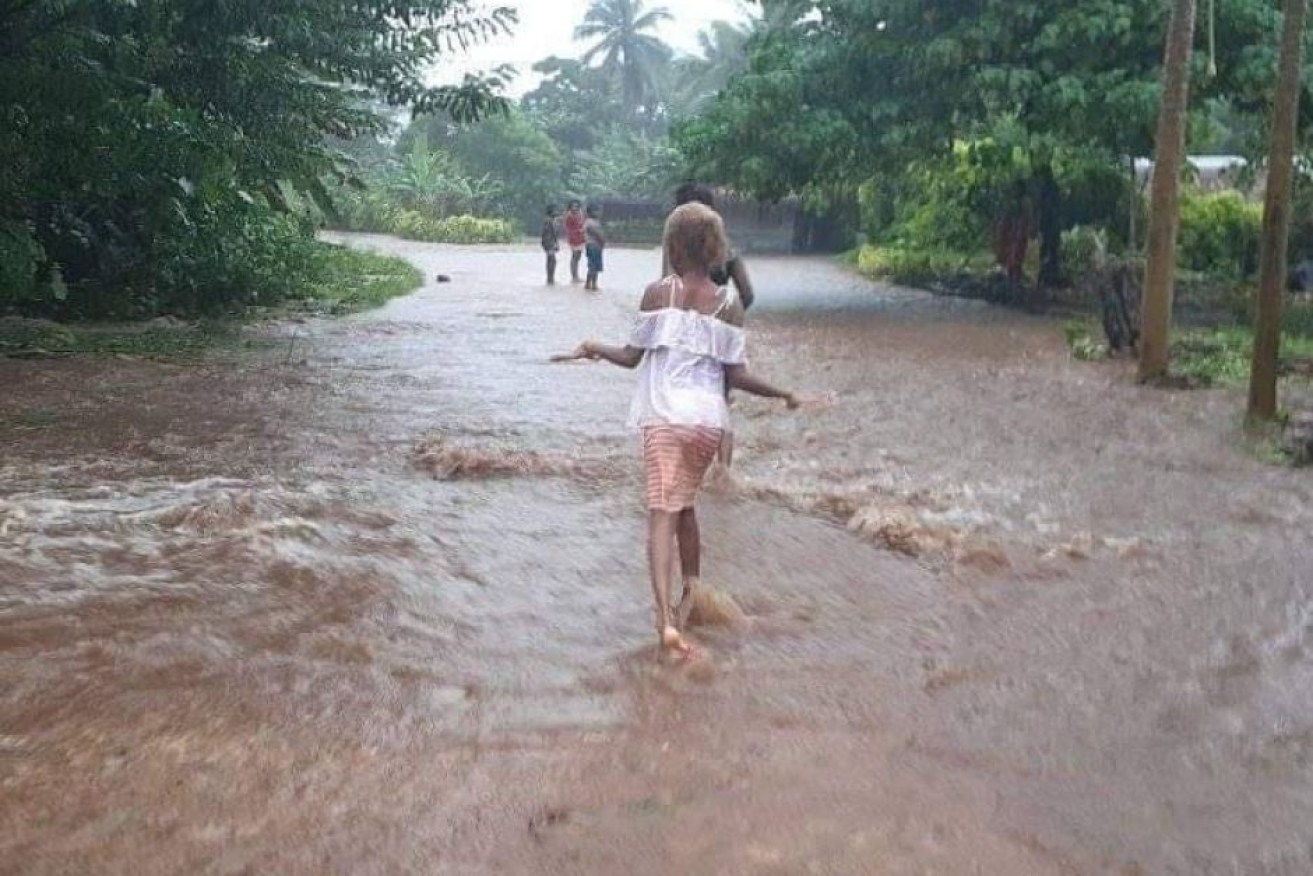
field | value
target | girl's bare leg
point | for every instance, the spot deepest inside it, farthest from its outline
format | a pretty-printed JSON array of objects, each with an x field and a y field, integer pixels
[
  {"x": 690, "y": 561},
  {"x": 725, "y": 455},
  {"x": 661, "y": 559}
]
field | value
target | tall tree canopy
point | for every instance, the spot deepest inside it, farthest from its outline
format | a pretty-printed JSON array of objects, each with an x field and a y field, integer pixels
[
  {"x": 621, "y": 30},
  {"x": 839, "y": 90}
]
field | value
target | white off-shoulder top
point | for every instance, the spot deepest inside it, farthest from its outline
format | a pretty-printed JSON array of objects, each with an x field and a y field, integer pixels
[{"x": 681, "y": 380}]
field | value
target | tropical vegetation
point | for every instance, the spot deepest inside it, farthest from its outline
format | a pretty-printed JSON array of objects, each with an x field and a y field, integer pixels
[{"x": 151, "y": 153}]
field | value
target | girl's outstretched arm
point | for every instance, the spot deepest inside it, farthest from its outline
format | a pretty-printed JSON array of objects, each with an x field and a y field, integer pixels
[
  {"x": 625, "y": 357},
  {"x": 739, "y": 377}
]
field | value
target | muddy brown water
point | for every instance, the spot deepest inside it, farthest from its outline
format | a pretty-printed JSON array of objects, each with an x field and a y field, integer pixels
[{"x": 1009, "y": 614}]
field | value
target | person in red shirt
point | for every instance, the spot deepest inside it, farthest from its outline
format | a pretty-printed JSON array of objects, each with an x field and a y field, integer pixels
[{"x": 575, "y": 237}]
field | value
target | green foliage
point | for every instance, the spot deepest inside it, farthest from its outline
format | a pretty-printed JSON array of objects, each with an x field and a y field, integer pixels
[
  {"x": 627, "y": 50},
  {"x": 868, "y": 94},
  {"x": 147, "y": 148},
  {"x": 432, "y": 182},
  {"x": 1209, "y": 356},
  {"x": 1082, "y": 246},
  {"x": 1219, "y": 234},
  {"x": 627, "y": 165},
  {"x": 1084, "y": 341},
  {"x": 342, "y": 279},
  {"x": 518, "y": 167},
  {"x": 21, "y": 258},
  {"x": 575, "y": 103},
  {"x": 452, "y": 229},
  {"x": 181, "y": 341},
  {"x": 933, "y": 205},
  {"x": 1301, "y": 219},
  {"x": 330, "y": 279},
  {"x": 700, "y": 78},
  {"x": 912, "y": 267},
  {"x": 1216, "y": 355}
]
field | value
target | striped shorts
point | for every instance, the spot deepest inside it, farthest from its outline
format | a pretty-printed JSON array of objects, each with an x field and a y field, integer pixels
[{"x": 675, "y": 458}]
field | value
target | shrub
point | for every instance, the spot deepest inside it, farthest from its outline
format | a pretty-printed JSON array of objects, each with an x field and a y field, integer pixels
[
  {"x": 1082, "y": 246},
  {"x": 452, "y": 229},
  {"x": 341, "y": 279},
  {"x": 20, "y": 261},
  {"x": 913, "y": 267},
  {"x": 1083, "y": 341},
  {"x": 1220, "y": 234}
]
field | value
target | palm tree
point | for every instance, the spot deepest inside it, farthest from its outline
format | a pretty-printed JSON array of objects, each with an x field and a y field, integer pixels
[
  {"x": 620, "y": 28},
  {"x": 724, "y": 55}
]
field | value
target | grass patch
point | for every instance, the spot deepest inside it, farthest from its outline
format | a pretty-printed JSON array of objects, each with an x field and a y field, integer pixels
[
  {"x": 1204, "y": 357},
  {"x": 346, "y": 280},
  {"x": 1221, "y": 355},
  {"x": 29, "y": 421},
  {"x": 157, "y": 339},
  {"x": 918, "y": 267},
  {"x": 1084, "y": 340},
  {"x": 339, "y": 280}
]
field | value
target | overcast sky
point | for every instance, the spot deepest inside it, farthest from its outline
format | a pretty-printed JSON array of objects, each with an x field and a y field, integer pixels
[{"x": 547, "y": 26}]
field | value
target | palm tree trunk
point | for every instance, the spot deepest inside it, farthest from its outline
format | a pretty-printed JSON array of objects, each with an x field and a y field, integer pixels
[
  {"x": 1169, "y": 153},
  {"x": 1276, "y": 216}
]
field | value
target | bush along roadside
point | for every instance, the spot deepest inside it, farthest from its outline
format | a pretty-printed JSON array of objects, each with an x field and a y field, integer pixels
[
  {"x": 328, "y": 279},
  {"x": 372, "y": 211},
  {"x": 413, "y": 225}
]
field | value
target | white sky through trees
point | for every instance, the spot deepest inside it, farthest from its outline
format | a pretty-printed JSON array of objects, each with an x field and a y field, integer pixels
[{"x": 547, "y": 28}]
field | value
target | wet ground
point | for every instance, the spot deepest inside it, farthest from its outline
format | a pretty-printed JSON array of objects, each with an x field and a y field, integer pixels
[{"x": 373, "y": 601}]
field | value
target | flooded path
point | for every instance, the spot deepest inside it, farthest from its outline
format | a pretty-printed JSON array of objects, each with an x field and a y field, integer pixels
[{"x": 373, "y": 600}]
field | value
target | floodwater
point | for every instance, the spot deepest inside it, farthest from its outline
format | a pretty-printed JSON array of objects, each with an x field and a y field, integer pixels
[{"x": 373, "y": 600}]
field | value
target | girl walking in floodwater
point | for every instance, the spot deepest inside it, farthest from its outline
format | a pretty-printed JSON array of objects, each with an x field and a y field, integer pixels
[
  {"x": 731, "y": 270},
  {"x": 686, "y": 353}
]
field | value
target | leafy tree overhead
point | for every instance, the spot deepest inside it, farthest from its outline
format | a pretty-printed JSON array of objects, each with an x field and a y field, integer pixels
[
  {"x": 574, "y": 103},
  {"x": 837, "y": 91},
  {"x": 139, "y": 138}
]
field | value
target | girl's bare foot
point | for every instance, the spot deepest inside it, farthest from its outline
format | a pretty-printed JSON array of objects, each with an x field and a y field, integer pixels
[{"x": 673, "y": 643}]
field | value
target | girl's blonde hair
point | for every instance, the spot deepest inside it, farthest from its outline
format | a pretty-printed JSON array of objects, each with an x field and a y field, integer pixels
[{"x": 694, "y": 239}]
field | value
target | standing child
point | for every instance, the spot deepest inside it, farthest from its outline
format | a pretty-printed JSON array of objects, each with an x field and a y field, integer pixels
[
  {"x": 686, "y": 353},
  {"x": 595, "y": 242},
  {"x": 551, "y": 240},
  {"x": 574, "y": 236}
]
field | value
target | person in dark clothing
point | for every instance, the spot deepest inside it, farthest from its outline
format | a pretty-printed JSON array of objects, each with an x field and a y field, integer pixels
[
  {"x": 551, "y": 241},
  {"x": 733, "y": 270}
]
